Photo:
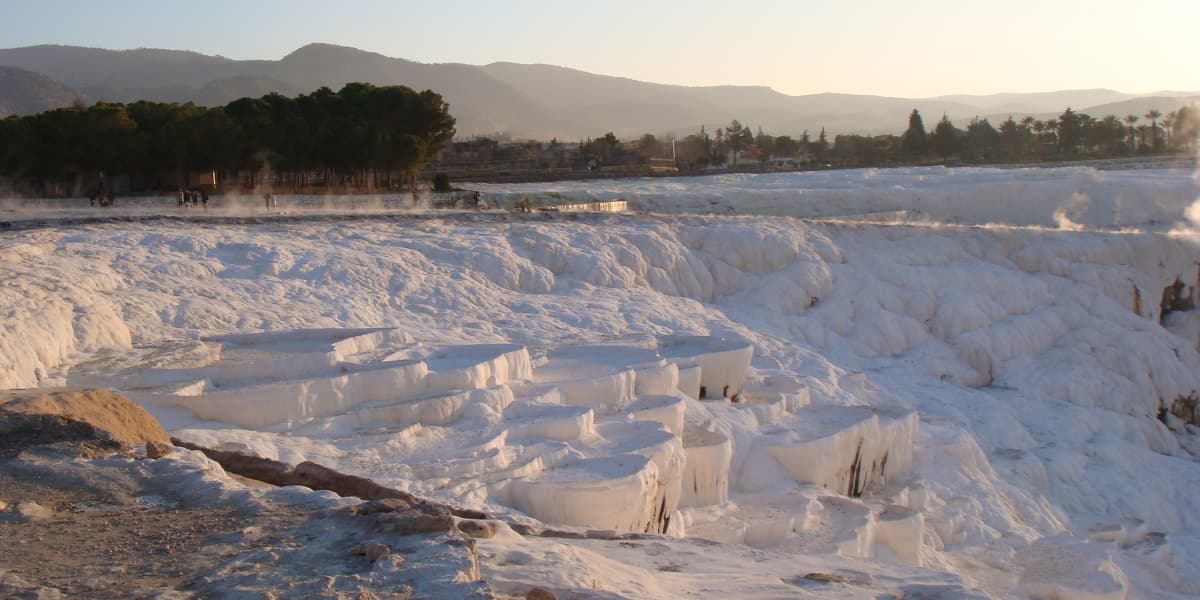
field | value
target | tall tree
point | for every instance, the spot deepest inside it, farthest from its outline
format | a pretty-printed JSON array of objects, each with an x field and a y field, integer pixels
[
  {"x": 1153, "y": 115},
  {"x": 981, "y": 139},
  {"x": 785, "y": 146},
  {"x": 1070, "y": 131},
  {"x": 1110, "y": 134},
  {"x": 1169, "y": 128},
  {"x": 1027, "y": 130},
  {"x": 821, "y": 147},
  {"x": 649, "y": 147},
  {"x": 738, "y": 138},
  {"x": 913, "y": 141},
  {"x": 1132, "y": 120},
  {"x": 1051, "y": 126},
  {"x": 1012, "y": 138},
  {"x": 946, "y": 138}
]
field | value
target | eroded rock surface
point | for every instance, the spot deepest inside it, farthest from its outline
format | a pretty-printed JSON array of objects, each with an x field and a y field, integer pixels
[{"x": 84, "y": 419}]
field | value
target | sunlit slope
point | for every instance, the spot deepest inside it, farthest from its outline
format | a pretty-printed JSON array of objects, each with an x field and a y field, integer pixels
[
  {"x": 971, "y": 306},
  {"x": 1037, "y": 360}
]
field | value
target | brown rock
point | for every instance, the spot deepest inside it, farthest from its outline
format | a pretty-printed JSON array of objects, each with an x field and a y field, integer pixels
[
  {"x": 468, "y": 513},
  {"x": 320, "y": 477},
  {"x": 479, "y": 529},
  {"x": 540, "y": 593},
  {"x": 157, "y": 450},
  {"x": 523, "y": 529},
  {"x": 372, "y": 550},
  {"x": 567, "y": 535},
  {"x": 254, "y": 467},
  {"x": 824, "y": 577},
  {"x": 385, "y": 505},
  {"x": 84, "y": 416},
  {"x": 427, "y": 519}
]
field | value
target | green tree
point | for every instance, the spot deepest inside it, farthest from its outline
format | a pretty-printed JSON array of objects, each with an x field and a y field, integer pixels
[
  {"x": 1051, "y": 127},
  {"x": 441, "y": 183},
  {"x": 1131, "y": 120},
  {"x": 1168, "y": 128},
  {"x": 946, "y": 138},
  {"x": 1110, "y": 134},
  {"x": 737, "y": 139},
  {"x": 913, "y": 141},
  {"x": 765, "y": 144},
  {"x": 361, "y": 131},
  {"x": 1070, "y": 131},
  {"x": 649, "y": 147},
  {"x": 1028, "y": 131},
  {"x": 981, "y": 140},
  {"x": 786, "y": 146},
  {"x": 1013, "y": 138},
  {"x": 1153, "y": 114},
  {"x": 606, "y": 149}
]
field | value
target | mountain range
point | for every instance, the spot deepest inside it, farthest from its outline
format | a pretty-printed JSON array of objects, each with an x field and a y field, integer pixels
[{"x": 520, "y": 100}]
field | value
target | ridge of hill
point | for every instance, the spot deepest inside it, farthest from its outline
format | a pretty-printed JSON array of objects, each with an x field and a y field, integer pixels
[{"x": 520, "y": 100}]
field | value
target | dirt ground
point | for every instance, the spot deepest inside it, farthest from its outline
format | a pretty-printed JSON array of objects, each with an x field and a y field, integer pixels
[
  {"x": 95, "y": 503},
  {"x": 101, "y": 543}
]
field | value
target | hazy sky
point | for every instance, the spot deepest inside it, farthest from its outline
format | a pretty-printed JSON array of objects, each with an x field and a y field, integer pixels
[{"x": 911, "y": 48}]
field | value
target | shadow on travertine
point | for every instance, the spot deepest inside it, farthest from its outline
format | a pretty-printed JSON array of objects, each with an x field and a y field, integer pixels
[{"x": 95, "y": 502}]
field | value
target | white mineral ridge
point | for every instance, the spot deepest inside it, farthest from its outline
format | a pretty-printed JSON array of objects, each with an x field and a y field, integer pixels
[
  {"x": 1067, "y": 197},
  {"x": 1028, "y": 352}
]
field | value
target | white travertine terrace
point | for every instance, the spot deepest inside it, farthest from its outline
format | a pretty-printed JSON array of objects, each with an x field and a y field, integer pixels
[{"x": 594, "y": 436}]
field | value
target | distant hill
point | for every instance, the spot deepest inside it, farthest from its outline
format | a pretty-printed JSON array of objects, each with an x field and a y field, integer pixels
[
  {"x": 1140, "y": 106},
  {"x": 24, "y": 92},
  {"x": 1038, "y": 102},
  {"x": 214, "y": 93},
  {"x": 539, "y": 101},
  {"x": 141, "y": 68},
  {"x": 478, "y": 102}
]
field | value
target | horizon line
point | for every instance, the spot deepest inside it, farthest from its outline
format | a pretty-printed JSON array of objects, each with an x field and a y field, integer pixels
[{"x": 1155, "y": 93}]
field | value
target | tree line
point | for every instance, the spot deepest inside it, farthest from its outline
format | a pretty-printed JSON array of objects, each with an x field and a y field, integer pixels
[
  {"x": 359, "y": 135},
  {"x": 1071, "y": 135},
  {"x": 364, "y": 135}
]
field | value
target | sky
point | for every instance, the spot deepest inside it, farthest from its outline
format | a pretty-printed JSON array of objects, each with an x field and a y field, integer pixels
[{"x": 910, "y": 48}]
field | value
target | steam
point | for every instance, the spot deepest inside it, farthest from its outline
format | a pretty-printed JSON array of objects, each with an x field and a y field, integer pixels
[
  {"x": 1191, "y": 224},
  {"x": 1192, "y": 214},
  {"x": 1065, "y": 215}
]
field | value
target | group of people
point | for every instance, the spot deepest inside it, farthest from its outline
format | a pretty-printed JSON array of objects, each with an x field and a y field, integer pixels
[
  {"x": 270, "y": 201},
  {"x": 189, "y": 198},
  {"x": 479, "y": 203}
]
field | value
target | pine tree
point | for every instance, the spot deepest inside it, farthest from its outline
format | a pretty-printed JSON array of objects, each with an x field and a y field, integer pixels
[
  {"x": 913, "y": 142},
  {"x": 945, "y": 138}
]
